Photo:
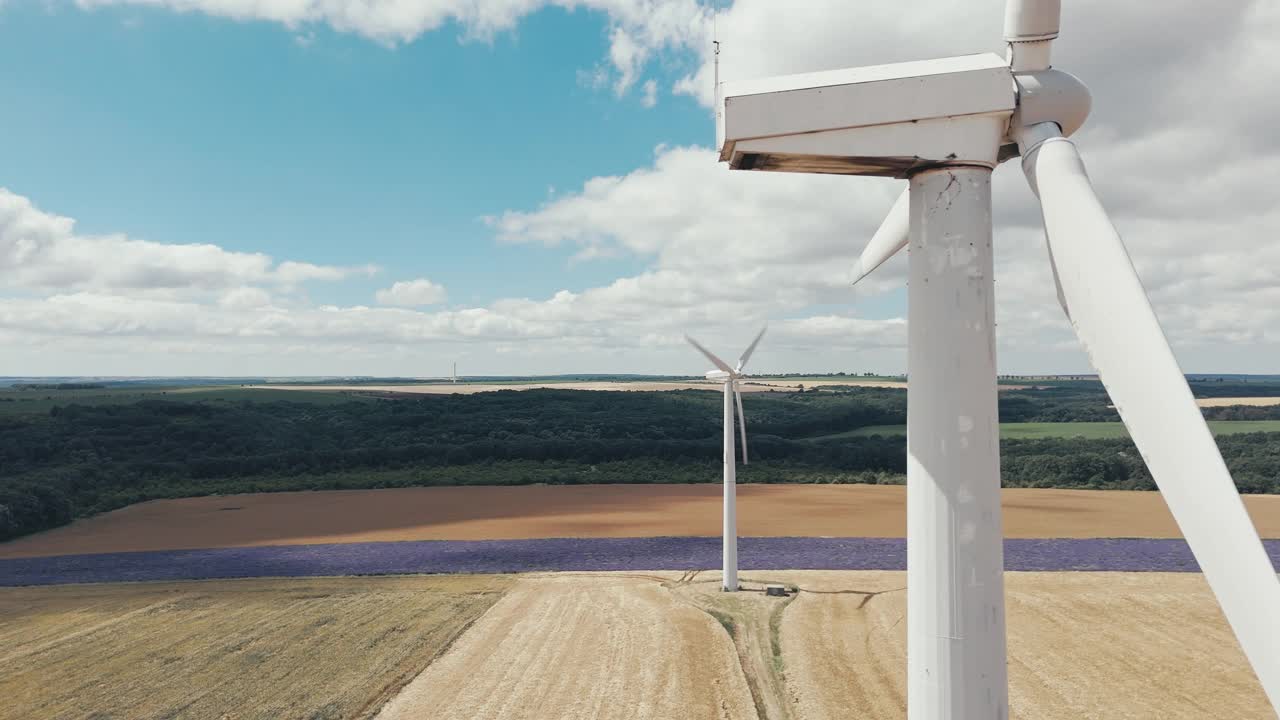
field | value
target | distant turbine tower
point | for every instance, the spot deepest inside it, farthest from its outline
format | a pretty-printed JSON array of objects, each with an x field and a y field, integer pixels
[
  {"x": 944, "y": 125},
  {"x": 455, "y": 371},
  {"x": 731, "y": 377}
]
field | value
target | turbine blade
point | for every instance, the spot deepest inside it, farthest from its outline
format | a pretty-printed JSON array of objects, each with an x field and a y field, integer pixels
[
  {"x": 1112, "y": 316},
  {"x": 742, "y": 422},
  {"x": 710, "y": 356},
  {"x": 888, "y": 240},
  {"x": 746, "y": 355}
]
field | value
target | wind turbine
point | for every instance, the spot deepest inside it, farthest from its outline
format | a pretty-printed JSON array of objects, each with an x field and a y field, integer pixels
[
  {"x": 944, "y": 125},
  {"x": 730, "y": 376}
]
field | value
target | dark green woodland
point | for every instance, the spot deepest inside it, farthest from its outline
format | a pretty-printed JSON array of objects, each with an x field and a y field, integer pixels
[{"x": 71, "y": 451}]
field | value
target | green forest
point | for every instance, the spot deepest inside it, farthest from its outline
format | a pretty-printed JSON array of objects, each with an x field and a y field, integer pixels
[{"x": 68, "y": 452}]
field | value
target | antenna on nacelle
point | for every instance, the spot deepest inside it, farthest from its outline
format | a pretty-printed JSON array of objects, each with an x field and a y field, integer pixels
[{"x": 715, "y": 52}]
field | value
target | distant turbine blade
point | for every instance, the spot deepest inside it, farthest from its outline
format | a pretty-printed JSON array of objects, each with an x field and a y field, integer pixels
[
  {"x": 711, "y": 356},
  {"x": 888, "y": 240},
  {"x": 1112, "y": 316},
  {"x": 742, "y": 422},
  {"x": 742, "y": 361}
]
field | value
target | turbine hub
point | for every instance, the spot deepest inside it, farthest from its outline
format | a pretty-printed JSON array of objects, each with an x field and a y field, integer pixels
[{"x": 1048, "y": 96}]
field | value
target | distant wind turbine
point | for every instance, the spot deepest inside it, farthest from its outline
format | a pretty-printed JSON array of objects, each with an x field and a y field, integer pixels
[{"x": 730, "y": 377}]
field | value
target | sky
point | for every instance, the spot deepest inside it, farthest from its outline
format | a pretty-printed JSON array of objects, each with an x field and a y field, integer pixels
[{"x": 384, "y": 187}]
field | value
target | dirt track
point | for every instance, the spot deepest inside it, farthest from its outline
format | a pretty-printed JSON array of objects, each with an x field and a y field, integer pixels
[{"x": 475, "y": 513}]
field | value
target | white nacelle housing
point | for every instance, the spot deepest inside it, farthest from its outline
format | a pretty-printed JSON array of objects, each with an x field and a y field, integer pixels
[{"x": 879, "y": 120}]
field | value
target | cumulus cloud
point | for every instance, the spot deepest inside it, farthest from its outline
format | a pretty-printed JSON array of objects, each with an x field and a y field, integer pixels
[
  {"x": 154, "y": 308},
  {"x": 1179, "y": 145},
  {"x": 40, "y": 250},
  {"x": 411, "y": 293},
  {"x": 1191, "y": 187},
  {"x": 638, "y": 29}
]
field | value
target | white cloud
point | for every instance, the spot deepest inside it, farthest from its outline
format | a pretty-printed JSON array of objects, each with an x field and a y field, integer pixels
[
  {"x": 650, "y": 97},
  {"x": 238, "y": 315},
  {"x": 39, "y": 250},
  {"x": 244, "y": 298},
  {"x": 637, "y": 28},
  {"x": 1180, "y": 145},
  {"x": 412, "y": 293}
]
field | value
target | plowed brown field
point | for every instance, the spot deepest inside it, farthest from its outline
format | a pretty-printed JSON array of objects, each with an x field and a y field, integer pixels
[{"x": 476, "y": 513}]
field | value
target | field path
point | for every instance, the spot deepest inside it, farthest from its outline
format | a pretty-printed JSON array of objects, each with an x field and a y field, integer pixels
[{"x": 607, "y": 647}]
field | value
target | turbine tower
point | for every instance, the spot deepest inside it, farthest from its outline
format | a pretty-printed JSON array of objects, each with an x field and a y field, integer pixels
[
  {"x": 730, "y": 376},
  {"x": 943, "y": 125}
]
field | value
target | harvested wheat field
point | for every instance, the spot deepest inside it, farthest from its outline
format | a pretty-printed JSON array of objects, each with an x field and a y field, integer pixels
[
  {"x": 1227, "y": 401},
  {"x": 596, "y": 645},
  {"x": 585, "y": 511},
  {"x": 755, "y": 384},
  {"x": 584, "y": 647},
  {"x": 1082, "y": 645},
  {"x": 469, "y": 388},
  {"x": 269, "y": 649}
]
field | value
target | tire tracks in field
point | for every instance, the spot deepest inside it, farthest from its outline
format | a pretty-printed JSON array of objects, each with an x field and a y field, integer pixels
[
  {"x": 87, "y": 631},
  {"x": 583, "y": 646},
  {"x": 752, "y": 622}
]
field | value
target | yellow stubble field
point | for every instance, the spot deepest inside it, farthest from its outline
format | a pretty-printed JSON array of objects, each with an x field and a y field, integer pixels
[
  {"x": 314, "y": 649},
  {"x": 596, "y": 645}
]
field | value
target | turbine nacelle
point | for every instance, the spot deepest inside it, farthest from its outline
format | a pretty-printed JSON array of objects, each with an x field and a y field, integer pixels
[
  {"x": 892, "y": 120},
  {"x": 730, "y": 375},
  {"x": 885, "y": 120}
]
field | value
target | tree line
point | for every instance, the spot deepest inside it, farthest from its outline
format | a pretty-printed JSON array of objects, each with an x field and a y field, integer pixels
[{"x": 79, "y": 459}]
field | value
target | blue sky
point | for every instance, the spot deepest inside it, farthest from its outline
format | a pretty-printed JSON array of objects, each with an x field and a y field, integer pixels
[
  {"x": 319, "y": 145},
  {"x": 528, "y": 186}
]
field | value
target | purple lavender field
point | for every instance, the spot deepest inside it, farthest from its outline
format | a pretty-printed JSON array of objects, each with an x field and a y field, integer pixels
[{"x": 571, "y": 554}]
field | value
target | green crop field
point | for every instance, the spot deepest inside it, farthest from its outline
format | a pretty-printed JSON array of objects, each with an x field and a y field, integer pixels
[{"x": 1087, "y": 430}]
